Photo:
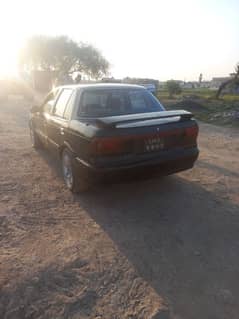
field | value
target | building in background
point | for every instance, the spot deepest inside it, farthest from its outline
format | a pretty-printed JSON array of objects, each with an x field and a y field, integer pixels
[{"x": 217, "y": 81}]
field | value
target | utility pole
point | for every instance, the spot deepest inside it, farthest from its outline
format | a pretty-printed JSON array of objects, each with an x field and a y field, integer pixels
[{"x": 200, "y": 79}]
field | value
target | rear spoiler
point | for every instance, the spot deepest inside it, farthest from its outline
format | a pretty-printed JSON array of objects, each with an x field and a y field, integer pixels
[{"x": 112, "y": 121}]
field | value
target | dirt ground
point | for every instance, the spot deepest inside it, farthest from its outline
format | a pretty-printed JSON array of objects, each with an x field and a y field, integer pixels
[{"x": 163, "y": 248}]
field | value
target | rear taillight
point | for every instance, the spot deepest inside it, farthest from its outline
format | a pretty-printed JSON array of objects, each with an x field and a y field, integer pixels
[
  {"x": 107, "y": 146},
  {"x": 192, "y": 131},
  {"x": 191, "y": 134}
]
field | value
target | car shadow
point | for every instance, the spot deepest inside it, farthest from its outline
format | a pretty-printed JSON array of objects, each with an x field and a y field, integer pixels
[
  {"x": 51, "y": 159},
  {"x": 182, "y": 239}
]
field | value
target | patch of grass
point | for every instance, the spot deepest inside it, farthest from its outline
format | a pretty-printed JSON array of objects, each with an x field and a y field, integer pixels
[
  {"x": 230, "y": 97},
  {"x": 204, "y": 93},
  {"x": 202, "y": 103}
]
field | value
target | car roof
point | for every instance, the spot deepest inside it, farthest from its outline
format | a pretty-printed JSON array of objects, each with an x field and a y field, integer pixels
[{"x": 102, "y": 85}]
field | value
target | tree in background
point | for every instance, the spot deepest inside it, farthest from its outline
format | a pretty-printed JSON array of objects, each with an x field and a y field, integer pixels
[
  {"x": 63, "y": 56},
  {"x": 173, "y": 88},
  {"x": 233, "y": 81},
  {"x": 91, "y": 62}
]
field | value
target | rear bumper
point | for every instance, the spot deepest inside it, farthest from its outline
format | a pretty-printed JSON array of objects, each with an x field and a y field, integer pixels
[{"x": 168, "y": 163}]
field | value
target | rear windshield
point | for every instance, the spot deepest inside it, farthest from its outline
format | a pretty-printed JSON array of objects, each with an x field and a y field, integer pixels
[{"x": 110, "y": 102}]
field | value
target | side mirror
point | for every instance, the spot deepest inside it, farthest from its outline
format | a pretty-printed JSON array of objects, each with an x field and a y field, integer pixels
[{"x": 35, "y": 109}]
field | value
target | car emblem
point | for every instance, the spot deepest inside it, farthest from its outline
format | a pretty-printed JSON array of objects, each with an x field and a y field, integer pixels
[{"x": 157, "y": 128}]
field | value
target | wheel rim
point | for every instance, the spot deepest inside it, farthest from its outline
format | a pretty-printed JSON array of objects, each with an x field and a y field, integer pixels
[{"x": 67, "y": 170}]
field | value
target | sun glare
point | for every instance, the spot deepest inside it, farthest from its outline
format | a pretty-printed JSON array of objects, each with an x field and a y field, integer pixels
[
  {"x": 167, "y": 39},
  {"x": 8, "y": 62}
]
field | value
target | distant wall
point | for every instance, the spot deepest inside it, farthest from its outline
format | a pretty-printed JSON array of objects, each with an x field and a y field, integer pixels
[
  {"x": 42, "y": 80},
  {"x": 10, "y": 87}
]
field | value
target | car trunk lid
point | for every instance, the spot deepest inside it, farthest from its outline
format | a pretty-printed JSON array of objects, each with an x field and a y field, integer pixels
[
  {"x": 149, "y": 134},
  {"x": 143, "y": 119}
]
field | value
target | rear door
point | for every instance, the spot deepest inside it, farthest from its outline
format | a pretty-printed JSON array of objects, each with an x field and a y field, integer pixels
[
  {"x": 58, "y": 121},
  {"x": 41, "y": 117}
]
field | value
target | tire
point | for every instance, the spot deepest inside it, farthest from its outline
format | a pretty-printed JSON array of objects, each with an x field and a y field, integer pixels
[
  {"x": 35, "y": 141},
  {"x": 73, "y": 179}
]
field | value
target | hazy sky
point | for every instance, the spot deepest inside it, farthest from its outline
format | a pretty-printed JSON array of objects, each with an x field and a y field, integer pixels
[{"x": 161, "y": 39}]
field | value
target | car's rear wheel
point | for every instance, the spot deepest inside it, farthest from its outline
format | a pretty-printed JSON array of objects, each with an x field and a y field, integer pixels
[
  {"x": 73, "y": 179},
  {"x": 35, "y": 141}
]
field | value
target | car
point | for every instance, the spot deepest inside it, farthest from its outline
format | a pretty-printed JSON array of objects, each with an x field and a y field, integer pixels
[{"x": 111, "y": 132}]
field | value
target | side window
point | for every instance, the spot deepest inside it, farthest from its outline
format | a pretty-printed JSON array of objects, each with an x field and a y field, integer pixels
[
  {"x": 62, "y": 102},
  {"x": 48, "y": 106},
  {"x": 69, "y": 107},
  {"x": 49, "y": 102}
]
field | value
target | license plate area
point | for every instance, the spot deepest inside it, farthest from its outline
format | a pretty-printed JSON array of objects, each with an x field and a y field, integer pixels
[{"x": 154, "y": 144}]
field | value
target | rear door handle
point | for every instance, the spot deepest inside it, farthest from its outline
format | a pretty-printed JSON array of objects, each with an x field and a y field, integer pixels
[{"x": 62, "y": 130}]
